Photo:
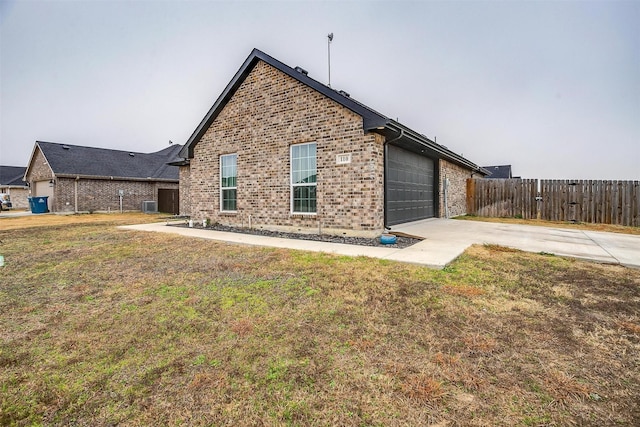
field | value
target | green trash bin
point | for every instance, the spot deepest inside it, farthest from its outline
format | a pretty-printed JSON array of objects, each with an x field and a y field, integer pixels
[{"x": 39, "y": 204}]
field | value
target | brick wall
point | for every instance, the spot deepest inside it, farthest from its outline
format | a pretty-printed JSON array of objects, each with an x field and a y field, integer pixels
[
  {"x": 102, "y": 195},
  {"x": 18, "y": 196},
  {"x": 185, "y": 190},
  {"x": 39, "y": 169},
  {"x": 457, "y": 191},
  {"x": 269, "y": 112}
]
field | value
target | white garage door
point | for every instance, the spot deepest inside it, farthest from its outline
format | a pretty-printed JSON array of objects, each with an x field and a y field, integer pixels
[{"x": 43, "y": 188}]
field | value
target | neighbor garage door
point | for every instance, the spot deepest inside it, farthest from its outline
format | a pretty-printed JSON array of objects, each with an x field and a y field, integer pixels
[
  {"x": 44, "y": 188},
  {"x": 409, "y": 187}
]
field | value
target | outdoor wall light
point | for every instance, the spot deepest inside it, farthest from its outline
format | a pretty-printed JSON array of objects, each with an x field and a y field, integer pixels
[{"x": 51, "y": 182}]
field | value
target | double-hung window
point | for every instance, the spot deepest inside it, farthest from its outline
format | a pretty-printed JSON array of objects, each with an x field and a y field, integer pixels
[
  {"x": 303, "y": 178},
  {"x": 228, "y": 182}
]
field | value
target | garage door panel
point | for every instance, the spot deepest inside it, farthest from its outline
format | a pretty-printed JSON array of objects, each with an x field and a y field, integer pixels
[
  {"x": 409, "y": 186},
  {"x": 44, "y": 188}
]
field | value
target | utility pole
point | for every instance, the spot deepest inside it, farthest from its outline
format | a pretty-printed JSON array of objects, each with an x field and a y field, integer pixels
[{"x": 330, "y": 39}]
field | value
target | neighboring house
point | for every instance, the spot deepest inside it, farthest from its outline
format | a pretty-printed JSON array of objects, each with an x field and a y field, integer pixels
[
  {"x": 498, "y": 171},
  {"x": 12, "y": 184},
  {"x": 87, "y": 179},
  {"x": 280, "y": 150}
]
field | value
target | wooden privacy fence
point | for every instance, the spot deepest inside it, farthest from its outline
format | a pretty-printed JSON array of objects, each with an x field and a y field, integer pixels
[
  {"x": 502, "y": 197},
  {"x": 604, "y": 202}
]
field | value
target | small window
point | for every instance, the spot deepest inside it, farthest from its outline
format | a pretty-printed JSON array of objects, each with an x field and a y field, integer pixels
[
  {"x": 228, "y": 182},
  {"x": 303, "y": 178}
]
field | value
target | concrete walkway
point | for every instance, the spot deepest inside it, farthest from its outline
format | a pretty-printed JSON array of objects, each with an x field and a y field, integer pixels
[
  {"x": 276, "y": 242},
  {"x": 444, "y": 240}
]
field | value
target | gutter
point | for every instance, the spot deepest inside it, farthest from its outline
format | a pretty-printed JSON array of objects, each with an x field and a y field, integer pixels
[
  {"x": 181, "y": 162},
  {"x": 447, "y": 154},
  {"x": 116, "y": 178},
  {"x": 15, "y": 187}
]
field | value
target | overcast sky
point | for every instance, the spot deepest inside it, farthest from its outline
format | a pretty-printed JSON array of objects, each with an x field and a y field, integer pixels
[{"x": 552, "y": 88}]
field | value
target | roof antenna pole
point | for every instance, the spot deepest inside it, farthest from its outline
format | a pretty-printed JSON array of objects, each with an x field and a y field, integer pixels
[{"x": 330, "y": 39}]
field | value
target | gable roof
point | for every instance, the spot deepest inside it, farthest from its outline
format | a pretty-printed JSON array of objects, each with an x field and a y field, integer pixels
[
  {"x": 11, "y": 176},
  {"x": 372, "y": 120},
  {"x": 503, "y": 171},
  {"x": 67, "y": 160}
]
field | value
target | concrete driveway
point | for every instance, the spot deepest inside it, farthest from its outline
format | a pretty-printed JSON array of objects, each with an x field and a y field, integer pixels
[
  {"x": 449, "y": 238},
  {"x": 15, "y": 213}
]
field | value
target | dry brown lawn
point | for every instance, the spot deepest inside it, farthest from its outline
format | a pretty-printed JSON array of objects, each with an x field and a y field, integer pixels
[{"x": 101, "y": 326}]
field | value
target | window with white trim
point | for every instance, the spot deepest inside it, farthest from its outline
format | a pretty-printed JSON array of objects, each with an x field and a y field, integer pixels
[
  {"x": 228, "y": 182},
  {"x": 303, "y": 178}
]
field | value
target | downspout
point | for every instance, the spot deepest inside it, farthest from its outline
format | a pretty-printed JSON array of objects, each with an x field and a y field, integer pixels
[
  {"x": 384, "y": 177},
  {"x": 75, "y": 190},
  {"x": 54, "y": 197},
  {"x": 445, "y": 190}
]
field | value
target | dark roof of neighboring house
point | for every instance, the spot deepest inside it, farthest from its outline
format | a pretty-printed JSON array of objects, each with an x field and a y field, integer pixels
[
  {"x": 372, "y": 120},
  {"x": 12, "y": 176},
  {"x": 75, "y": 160},
  {"x": 503, "y": 171}
]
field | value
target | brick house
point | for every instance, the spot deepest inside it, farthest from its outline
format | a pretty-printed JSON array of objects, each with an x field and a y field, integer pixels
[
  {"x": 282, "y": 151},
  {"x": 87, "y": 179},
  {"x": 11, "y": 183}
]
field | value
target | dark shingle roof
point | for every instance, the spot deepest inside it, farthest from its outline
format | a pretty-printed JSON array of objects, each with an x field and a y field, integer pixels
[
  {"x": 372, "y": 120},
  {"x": 74, "y": 160},
  {"x": 12, "y": 176},
  {"x": 503, "y": 171},
  {"x": 370, "y": 117}
]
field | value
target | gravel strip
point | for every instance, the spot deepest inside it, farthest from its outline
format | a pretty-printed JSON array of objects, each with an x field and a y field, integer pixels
[{"x": 401, "y": 242}]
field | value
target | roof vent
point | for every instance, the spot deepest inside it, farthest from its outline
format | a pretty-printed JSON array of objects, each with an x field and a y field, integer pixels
[
  {"x": 65, "y": 147},
  {"x": 343, "y": 93},
  {"x": 132, "y": 155},
  {"x": 302, "y": 71}
]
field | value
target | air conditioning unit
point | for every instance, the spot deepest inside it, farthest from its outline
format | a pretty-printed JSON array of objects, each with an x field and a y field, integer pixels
[{"x": 149, "y": 206}]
